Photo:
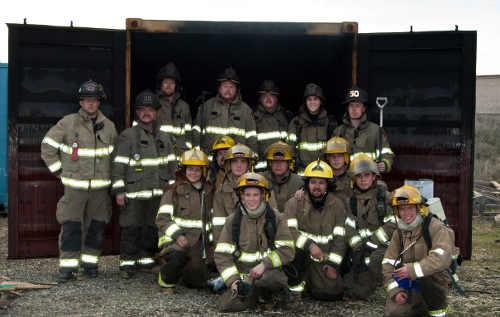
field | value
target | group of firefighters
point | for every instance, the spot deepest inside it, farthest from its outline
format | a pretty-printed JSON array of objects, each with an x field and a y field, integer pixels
[{"x": 268, "y": 212}]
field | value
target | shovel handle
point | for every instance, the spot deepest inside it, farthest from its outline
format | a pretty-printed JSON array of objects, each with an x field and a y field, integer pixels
[{"x": 381, "y": 102}]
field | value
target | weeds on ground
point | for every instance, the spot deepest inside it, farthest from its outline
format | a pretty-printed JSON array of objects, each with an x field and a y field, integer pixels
[{"x": 487, "y": 147}]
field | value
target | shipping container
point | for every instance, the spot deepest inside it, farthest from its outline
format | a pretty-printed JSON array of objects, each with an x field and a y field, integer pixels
[{"x": 428, "y": 77}]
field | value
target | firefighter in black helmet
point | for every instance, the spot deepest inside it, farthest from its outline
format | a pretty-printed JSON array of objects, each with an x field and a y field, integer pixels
[
  {"x": 143, "y": 166},
  {"x": 78, "y": 150},
  {"x": 273, "y": 120},
  {"x": 309, "y": 130},
  {"x": 225, "y": 114},
  {"x": 363, "y": 135},
  {"x": 174, "y": 116}
]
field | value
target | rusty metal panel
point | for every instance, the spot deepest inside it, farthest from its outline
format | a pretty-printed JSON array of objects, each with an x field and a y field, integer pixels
[
  {"x": 429, "y": 78},
  {"x": 46, "y": 65},
  {"x": 165, "y": 26}
]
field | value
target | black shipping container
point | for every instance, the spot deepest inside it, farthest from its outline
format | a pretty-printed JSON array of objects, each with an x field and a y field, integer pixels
[{"x": 429, "y": 78}]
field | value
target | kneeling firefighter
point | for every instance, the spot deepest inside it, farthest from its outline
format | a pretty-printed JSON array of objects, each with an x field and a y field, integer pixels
[
  {"x": 369, "y": 228},
  {"x": 418, "y": 263},
  {"x": 253, "y": 246},
  {"x": 184, "y": 225},
  {"x": 317, "y": 226}
]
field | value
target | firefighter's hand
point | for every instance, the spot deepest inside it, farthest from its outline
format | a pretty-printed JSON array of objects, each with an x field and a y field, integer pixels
[
  {"x": 330, "y": 272},
  {"x": 120, "y": 200},
  {"x": 182, "y": 241},
  {"x": 257, "y": 271},
  {"x": 403, "y": 272},
  {"x": 299, "y": 194},
  {"x": 401, "y": 298},
  {"x": 234, "y": 287},
  {"x": 316, "y": 252},
  {"x": 381, "y": 167}
]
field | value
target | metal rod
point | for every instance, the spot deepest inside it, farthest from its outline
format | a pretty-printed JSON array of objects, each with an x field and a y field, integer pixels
[{"x": 128, "y": 77}]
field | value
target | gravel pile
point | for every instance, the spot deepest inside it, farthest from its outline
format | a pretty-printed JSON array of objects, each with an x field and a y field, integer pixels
[{"x": 109, "y": 295}]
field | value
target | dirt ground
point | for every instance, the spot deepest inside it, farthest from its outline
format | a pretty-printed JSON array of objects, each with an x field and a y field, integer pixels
[{"x": 109, "y": 295}]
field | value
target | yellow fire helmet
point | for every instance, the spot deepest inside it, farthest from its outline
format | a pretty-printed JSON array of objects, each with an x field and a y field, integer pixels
[
  {"x": 238, "y": 151},
  {"x": 280, "y": 151},
  {"x": 252, "y": 179},
  {"x": 223, "y": 143},
  {"x": 363, "y": 163},
  {"x": 194, "y": 157},
  {"x": 338, "y": 145},
  {"x": 409, "y": 195},
  {"x": 318, "y": 169}
]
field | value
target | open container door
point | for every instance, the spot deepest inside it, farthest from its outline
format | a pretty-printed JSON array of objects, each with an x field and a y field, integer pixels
[
  {"x": 429, "y": 78},
  {"x": 46, "y": 67},
  {"x": 291, "y": 54}
]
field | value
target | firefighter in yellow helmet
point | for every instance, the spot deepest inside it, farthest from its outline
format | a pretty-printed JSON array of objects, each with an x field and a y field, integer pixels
[
  {"x": 183, "y": 223},
  {"x": 337, "y": 155},
  {"x": 216, "y": 167},
  {"x": 369, "y": 228},
  {"x": 78, "y": 151},
  {"x": 416, "y": 261},
  {"x": 284, "y": 182},
  {"x": 317, "y": 226},
  {"x": 254, "y": 245},
  {"x": 237, "y": 161}
]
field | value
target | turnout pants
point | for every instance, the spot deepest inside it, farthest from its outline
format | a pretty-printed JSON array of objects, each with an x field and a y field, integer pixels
[
  {"x": 83, "y": 215},
  {"x": 187, "y": 264},
  {"x": 304, "y": 274},
  {"x": 139, "y": 234},
  {"x": 361, "y": 285},
  {"x": 430, "y": 301},
  {"x": 271, "y": 282}
]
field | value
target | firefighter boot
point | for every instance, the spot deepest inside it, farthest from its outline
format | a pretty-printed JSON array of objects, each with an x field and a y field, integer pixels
[{"x": 66, "y": 276}]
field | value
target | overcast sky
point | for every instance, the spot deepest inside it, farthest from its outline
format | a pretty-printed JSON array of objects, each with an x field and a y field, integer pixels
[{"x": 372, "y": 16}]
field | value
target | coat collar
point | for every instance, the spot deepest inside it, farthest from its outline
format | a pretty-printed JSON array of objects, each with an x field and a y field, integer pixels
[
  {"x": 85, "y": 116},
  {"x": 347, "y": 121}
]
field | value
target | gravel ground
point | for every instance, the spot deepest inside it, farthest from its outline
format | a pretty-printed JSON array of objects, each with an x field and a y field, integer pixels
[{"x": 109, "y": 295}]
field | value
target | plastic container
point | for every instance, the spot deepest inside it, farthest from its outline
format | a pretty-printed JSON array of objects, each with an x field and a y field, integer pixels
[{"x": 425, "y": 186}]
